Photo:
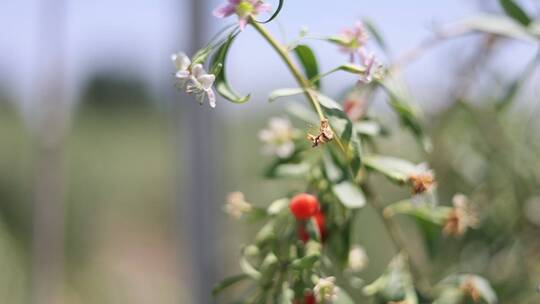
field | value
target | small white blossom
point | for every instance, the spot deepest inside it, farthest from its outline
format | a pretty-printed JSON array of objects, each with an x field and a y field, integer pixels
[
  {"x": 181, "y": 62},
  {"x": 193, "y": 79},
  {"x": 326, "y": 289},
  {"x": 278, "y": 137},
  {"x": 358, "y": 258},
  {"x": 236, "y": 205},
  {"x": 200, "y": 84}
]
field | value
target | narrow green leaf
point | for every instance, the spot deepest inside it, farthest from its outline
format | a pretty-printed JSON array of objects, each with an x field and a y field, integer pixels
[
  {"x": 395, "y": 169},
  {"x": 287, "y": 170},
  {"x": 218, "y": 64},
  {"x": 286, "y": 92},
  {"x": 375, "y": 33},
  {"x": 303, "y": 113},
  {"x": 228, "y": 282},
  {"x": 500, "y": 25},
  {"x": 308, "y": 61},
  {"x": 343, "y": 297},
  {"x": 350, "y": 195},
  {"x": 433, "y": 214},
  {"x": 305, "y": 262},
  {"x": 368, "y": 127},
  {"x": 513, "y": 10}
]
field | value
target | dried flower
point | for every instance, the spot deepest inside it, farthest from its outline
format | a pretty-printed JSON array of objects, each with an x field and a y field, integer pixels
[
  {"x": 422, "y": 179},
  {"x": 236, "y": 205},
  {"x": 279, "y": 137},
  {"x": 469, "y": 288},
  {"x": 358, "y": 258},
  {"x": 461, "y": 217},
  {"x": 193, "y": 79},
  {"x": 325, "y": 134},
  {"x": 243, "y": 8},
  {"x": 326, "y": 289}
]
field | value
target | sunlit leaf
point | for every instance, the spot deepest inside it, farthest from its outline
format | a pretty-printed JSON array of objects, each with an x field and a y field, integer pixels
[
  {"x": 349, "y": 195},
  {"x": 248, "y": 269},
  {"x": 286, "y": 92},
  {"x": 396, "y": 169}
]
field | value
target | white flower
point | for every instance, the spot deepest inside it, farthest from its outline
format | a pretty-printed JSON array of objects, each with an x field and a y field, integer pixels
[
  {"x": 194, "y": 79},
  {"x": 326, "y": 289},
  {"x": 358, "y": 258},
  {"x": 200, "y": 84},
  {"x": 236, "y": 205},
  {"x": 181, "y": 62},
  {"x": 278, "y": 137}
]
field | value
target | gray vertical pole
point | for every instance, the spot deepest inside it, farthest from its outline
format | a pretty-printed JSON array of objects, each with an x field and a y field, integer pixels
[
  {"x": 198, "y": 200},
  {"x": 47, "y": 281}
]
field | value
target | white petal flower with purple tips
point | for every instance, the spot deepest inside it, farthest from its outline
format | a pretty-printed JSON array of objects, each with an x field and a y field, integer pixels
[
  {"x": 374, "y": 69},
  {"x": 200, "y": 84},
  {"x": 243, "y": 8},
  {"x": 193, "y": 79}
]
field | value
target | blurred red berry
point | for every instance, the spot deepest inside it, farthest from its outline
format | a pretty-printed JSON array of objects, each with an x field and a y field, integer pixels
[
  {"x": 302, "y": 233},
  {"x": 303, "y": 206},
  {"x": 309, "y": 299}
]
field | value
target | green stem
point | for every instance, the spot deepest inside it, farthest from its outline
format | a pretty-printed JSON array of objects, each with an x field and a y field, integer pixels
[{"x": 283, "y": 53}]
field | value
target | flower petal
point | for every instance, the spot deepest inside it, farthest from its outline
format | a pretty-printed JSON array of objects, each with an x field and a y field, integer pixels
[
  {"x": 262, "y": 7},
  {"x": 206, "y": 80},
  {"x": 197, "y": 70},
  {"x": 211, "y": 98},
  {"x": 243, "y": 23},
  {"x": 225, "y": 10},
  {"x": 181, "y": 61}
]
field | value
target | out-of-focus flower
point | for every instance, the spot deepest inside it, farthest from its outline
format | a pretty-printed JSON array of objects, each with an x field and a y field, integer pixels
[
  {"x": 374, "y": 69},
  {"x": 422, "y": 180},
  {"x": 358, "y": 258},
  {"x": 236, "y": 205},
  {"x": 243, "y": 8},
  {"x": 461, "y": 217},
  {"x": 193, "y": 79},
  {"x": 279, "y": 137},
  {"x": 326, "y": 289},
  {"x": 353, "y": 40},
  {"x": 325, "y": 134},
  {"x": 354, "y": 106},
  {"x": 469, "y": 288}
]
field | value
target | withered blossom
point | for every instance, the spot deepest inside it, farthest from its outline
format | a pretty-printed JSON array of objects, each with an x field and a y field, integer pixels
[
  {"x": 325, "y": 134},
  {"x": 461, "y": 217}
]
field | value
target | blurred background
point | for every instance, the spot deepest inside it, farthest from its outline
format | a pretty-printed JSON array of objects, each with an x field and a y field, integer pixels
[{"x": 112, "y": 183}]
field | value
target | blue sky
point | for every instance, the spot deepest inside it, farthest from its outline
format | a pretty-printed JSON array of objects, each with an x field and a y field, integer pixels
[{"x": 138, "y": 36}]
